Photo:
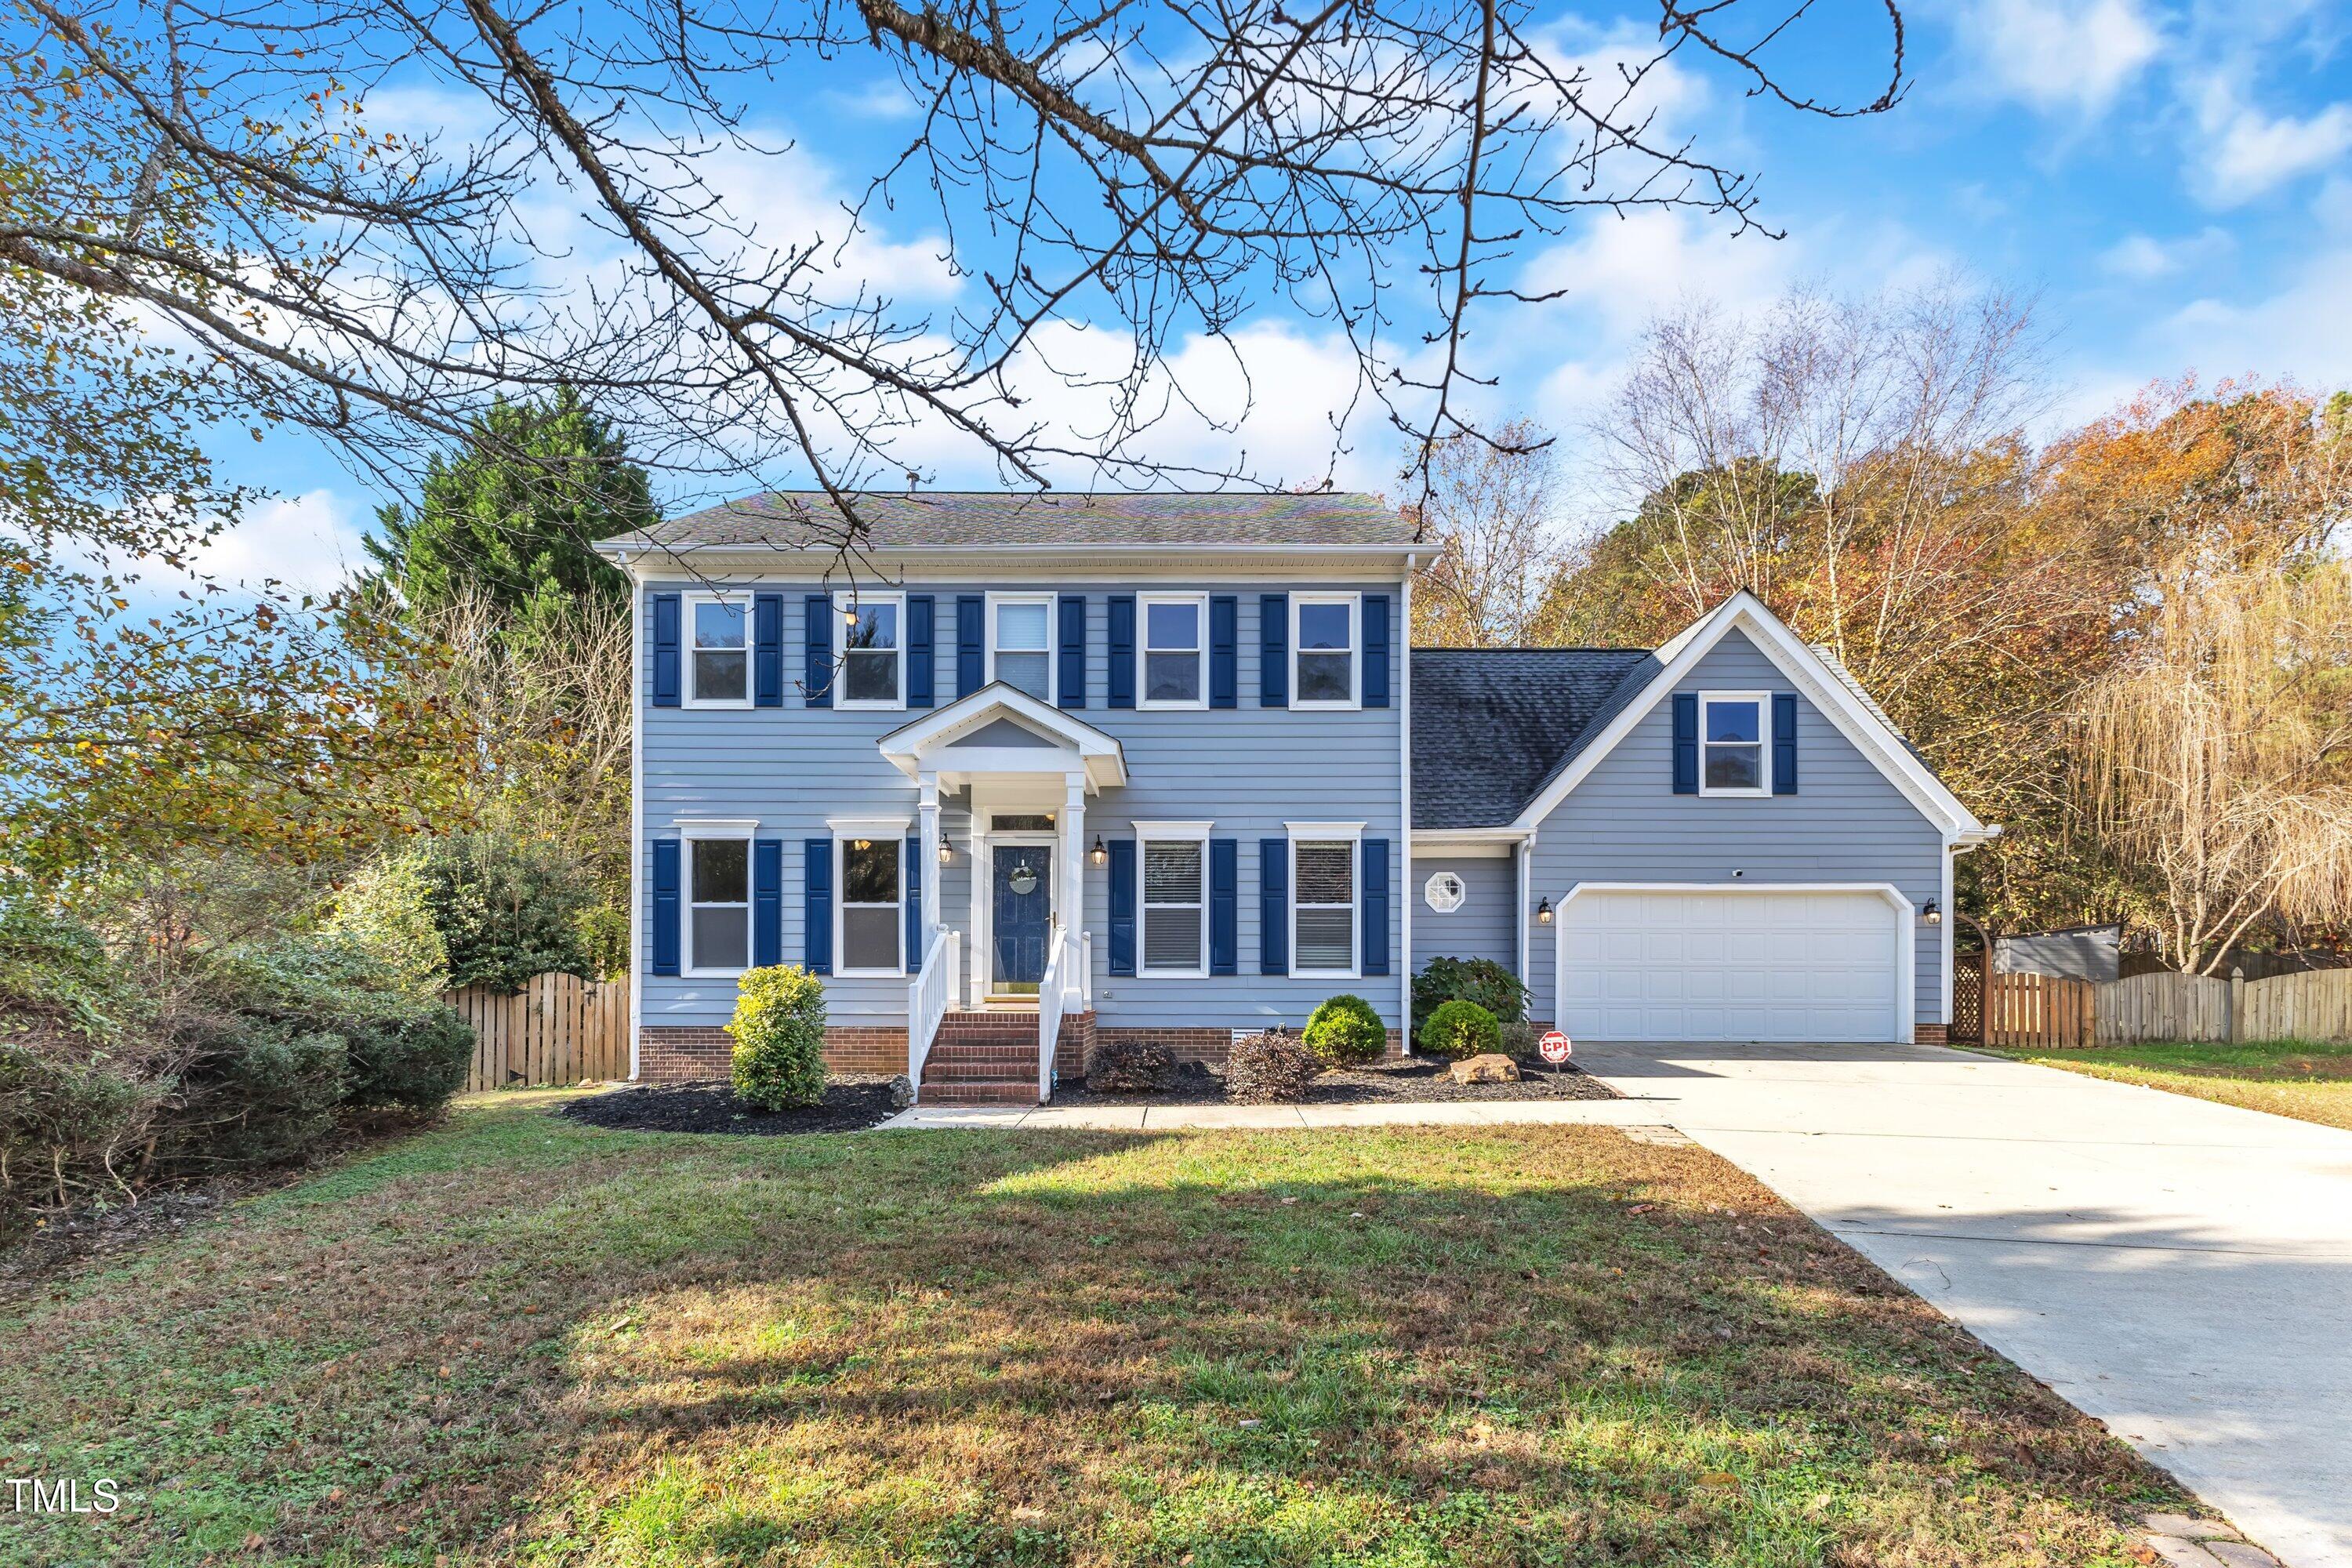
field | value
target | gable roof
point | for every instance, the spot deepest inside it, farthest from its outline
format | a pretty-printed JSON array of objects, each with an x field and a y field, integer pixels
[
  {"x": 1488, "y": 724},
  {"x": 926, "y": 738},
  {"x": 952, "y": 520}
]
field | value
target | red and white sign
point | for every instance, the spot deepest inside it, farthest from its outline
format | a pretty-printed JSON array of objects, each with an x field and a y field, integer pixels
[{"x": 1554, "y": 1046}]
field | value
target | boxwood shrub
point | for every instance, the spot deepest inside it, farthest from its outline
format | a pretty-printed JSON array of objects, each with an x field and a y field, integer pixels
[
  {"x": 779, "y": 1029},
  {"x": 1345, "y": 1030},
  {"x": 1458, "y": 1030}
]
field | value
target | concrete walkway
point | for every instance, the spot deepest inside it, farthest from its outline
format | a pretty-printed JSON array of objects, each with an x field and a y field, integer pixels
[
  {"x": 2181, "y": 1269},
  {"x": 1167, "y": 1118}
]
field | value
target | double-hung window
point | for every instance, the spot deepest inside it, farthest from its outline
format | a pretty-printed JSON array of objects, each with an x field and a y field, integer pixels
[
  {"x": 1175, "y": 908},
  {"x": 1175, "y": 643},
  {"x": 720, "y": 667},
  {"x": 1021, "y": 643},
  {"x": 1733, "y": 736},
  {"x": 1325, "y": 650},
  {"x": 869, "y": 643},
  {"x": 718, "y": 905},
  {"x": 1323, "y": 905},
  {"x": 870, "y": 892}
]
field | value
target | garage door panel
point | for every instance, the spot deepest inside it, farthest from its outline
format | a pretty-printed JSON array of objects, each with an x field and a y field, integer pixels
[{"x": 1773, "y": 964}]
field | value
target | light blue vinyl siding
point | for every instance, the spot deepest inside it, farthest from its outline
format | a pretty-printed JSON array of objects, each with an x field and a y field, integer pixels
[
  {"x": 1247, "y": 771},
  {"x": 1847, "y": 823},
  {"x": 1482, "y": 927}
]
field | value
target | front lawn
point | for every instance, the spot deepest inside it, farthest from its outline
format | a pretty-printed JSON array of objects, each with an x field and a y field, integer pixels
[
  {"x": 2288, "y": 1078},
  {"x": 521, "y": 1339}
]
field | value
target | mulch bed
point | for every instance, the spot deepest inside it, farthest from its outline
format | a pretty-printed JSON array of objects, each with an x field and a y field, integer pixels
[
  {"x": 851, "y": 1103},
  {"x": 1413, "y": 1079}
]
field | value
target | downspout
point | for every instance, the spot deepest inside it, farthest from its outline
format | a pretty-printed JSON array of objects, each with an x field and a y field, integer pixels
[
  {"x": 1404, "y": 774},
  {"x": 636, "y": 817}
]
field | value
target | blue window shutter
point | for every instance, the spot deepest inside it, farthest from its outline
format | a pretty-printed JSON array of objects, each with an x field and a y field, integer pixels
[
  {"x": 1376, "y": 652},
  {"x": 1070, "y": 680},
  {"x": 1784, "y": 742},
  {"x": 1224, "y": 913},
  {"x": 766, "y": 902},
  {"x": 767, "y": 650},
  {"x": 1225, "y": 654},
  {"x": 666, "y": 905},
  {"x": 1122, "y": 906},
  {"x": 971, "y": 628},
  {"x": 1274, "y": 658},
  {"x": 816, "y": 905},
  {"x": 1122, "y": 652},
  {"x": 1686, "y": 743},
  {"x": 1274, "y": 906},
  {"x": 922, "y": 627},
  {"x": 914, "y": 861},
  {"x": 1373, "y": 868},
  {"x": 816, "y": 667},
  {"x": 667, "y": 686}
]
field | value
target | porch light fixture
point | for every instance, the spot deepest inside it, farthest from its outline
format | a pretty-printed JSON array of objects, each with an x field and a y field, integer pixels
[
  {"x": 946, "y": 850},
  {"x": 1099, "y": 854},
  {"x": 1931, "y": 914},
  {"x": 1543, "y": 912}
]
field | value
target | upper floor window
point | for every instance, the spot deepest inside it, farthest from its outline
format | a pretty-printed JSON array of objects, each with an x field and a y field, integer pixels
[
  {"x": 1323, "y": 910},
  {"x": 1324, "y": 649},
  {"x": 870, "y": 641},
  {"x": 721, "y": 667},
  {"x": 718, "y": 905},
  {"x": 870, "y": 873},
  {"x": 1175, "y": 643},
  {"x": 1175, "y": 908},
  {"x": 1731, "y": 742},
  {"x": 1021, "y": 643}
]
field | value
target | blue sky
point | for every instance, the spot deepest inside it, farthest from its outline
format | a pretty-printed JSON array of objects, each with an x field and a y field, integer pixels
[{"x": 2171, "y": 184}]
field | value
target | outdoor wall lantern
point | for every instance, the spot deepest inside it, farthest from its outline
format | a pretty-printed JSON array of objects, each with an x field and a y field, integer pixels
[
  {"x": 1543, "y": 912},
  {"x": 1931, "y": 914},
  {"x": 1099, "y": 854},
  {"x": 946, "y": 850}
]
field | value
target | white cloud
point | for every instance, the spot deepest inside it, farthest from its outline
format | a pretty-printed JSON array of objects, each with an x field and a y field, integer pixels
[
  {"x": 2244, "y": 152},
  {"x": 2076, "y": 55},
  {"x": 2300, "y": 330},
  {"x": 309, "y": 542},
  {"x": 2142, "y": 258}
]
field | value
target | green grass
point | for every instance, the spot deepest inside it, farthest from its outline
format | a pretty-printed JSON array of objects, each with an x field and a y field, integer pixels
[
  {"x": 2311, "y": 1082},
  {"x": 518, "y": 1340}
]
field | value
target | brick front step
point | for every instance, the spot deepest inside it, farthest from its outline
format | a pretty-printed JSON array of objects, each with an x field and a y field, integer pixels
[{"x": 962, "y": 1092}]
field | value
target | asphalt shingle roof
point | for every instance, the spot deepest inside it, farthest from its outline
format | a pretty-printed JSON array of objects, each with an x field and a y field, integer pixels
[
  {"x": 787, "y": 520},
  {"x": 1489, "y": 725}
]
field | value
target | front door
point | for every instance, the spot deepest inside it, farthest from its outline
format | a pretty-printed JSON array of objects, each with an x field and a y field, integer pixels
[{"x": 1020, "y": 916}]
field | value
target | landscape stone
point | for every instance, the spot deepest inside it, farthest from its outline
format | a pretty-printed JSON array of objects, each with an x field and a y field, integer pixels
[{"x": 1492, "y": 1067}]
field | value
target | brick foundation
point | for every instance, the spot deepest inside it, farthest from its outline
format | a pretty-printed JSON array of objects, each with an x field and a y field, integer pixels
[
  {"x": 675, "y": 1054},
  {"x": 1930, "y": 1033},
  {"x": 1074, "y": 1047}
]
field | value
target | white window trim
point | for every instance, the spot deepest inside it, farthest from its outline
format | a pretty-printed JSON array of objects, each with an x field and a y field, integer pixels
[
  {"x": 1328, "y": 833},
  {"x": 1143, "y": 602},
  {"x": 1052, "y": 640},
  {"x": 1148, "y": 833},
  {"x": 1355, "y": 603},
  {"x": 686, "y": 640},
  {"x": 1763, "y": 700},
  {"x": 1460, "y": 892},
  {"x": 842, "y": 604},
  {"x": 841, "y": 907},
  {"x": 711, "y": 833}
]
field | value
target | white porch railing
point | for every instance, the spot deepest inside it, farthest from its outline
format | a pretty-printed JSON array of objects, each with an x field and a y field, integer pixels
[
  {"x": 928, "y": 997},
  {"x": 1086, "y": 970},
  {"x": 1049, "y": 1008}
]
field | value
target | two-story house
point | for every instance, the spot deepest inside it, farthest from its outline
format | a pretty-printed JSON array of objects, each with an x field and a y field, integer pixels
[{"x": 1043, "y": 772}]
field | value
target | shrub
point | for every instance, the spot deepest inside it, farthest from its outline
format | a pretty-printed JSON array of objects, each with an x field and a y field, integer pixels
[
  {"x": 408, "y": 1052},
  {"x": 505, "y": 911},
  {"x": 1345, "y": 1030},
  {"x": 1458, "y": 1030},
  {"x": 1479, "y": 980},
  {"x": 253, "y": 1092},
  {"x": 385, "y": 911},
  {"x": 1269, "y": 1068},
  {"x": 779, "y": 1029},
  {"x": 1130, "y": 1069}
]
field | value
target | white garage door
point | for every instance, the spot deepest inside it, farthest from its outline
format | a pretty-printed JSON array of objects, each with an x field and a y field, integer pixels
[{"x": 1779, "y": 964}]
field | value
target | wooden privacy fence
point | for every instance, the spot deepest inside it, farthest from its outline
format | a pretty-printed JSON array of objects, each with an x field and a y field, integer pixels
[
  {"x": 558, "y": 1029},
  {"x": 2036, "y": 1010},
  {"x": 2163, "y": 1006}
]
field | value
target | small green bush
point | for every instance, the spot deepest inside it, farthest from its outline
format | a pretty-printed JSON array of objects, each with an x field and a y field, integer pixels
[
  {"x": 408, "y": 1053},
  {"x": 254, "y": 1092},
  {"x": 1458, "y": 1030},
  {"x": 1345, "y": 1030},
  {"x": 1479, "y": 980},
  {"x": 779, "y": 1029}
]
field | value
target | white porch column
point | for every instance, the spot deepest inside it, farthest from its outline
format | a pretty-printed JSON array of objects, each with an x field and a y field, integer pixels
[
  {"x": 927, "y": 809},
  {"x": 1074, "y": 893}
]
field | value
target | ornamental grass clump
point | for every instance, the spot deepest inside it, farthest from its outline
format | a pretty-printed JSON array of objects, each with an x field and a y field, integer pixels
[
  {"x": 779, "y": 1029},
  {"x": 1345, "y": 1030},
  {"x": 1459, "y": 1030}
]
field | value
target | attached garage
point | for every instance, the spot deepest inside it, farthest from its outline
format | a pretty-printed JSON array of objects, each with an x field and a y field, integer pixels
[{"x": 1807, "y": 961}]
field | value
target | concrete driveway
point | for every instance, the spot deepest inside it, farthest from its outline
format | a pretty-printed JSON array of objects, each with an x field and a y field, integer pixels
[{"x": 2180, "y": 1269}]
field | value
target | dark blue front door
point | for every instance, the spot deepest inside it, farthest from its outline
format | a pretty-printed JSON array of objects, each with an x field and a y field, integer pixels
[{"x": 1021, "y": 913}]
